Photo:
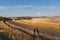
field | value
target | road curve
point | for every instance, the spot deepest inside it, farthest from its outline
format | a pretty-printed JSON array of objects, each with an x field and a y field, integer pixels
[{"x": 41, "y": 30}]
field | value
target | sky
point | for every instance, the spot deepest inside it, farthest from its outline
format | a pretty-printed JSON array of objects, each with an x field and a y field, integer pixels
[{"x": 12, "y": 8}]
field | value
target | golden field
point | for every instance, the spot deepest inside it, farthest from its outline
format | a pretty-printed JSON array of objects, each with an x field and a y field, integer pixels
[
  {"x": 49, "y": 23},
  {"x": 13, "y": 33},
  {"x": 16, "y": 34}
]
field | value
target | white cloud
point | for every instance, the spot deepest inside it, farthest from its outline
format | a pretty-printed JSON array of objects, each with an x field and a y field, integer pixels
[
  {"x": 18, "y": 7},
  {"x": 22, "y": 7},
  {"x": 52, "y": 7},
  {"x": 25, "y": 5},
  {"x": 3, "y": 8},
  {"x": 38, "y": 13},
  {"x": 46, "y": 7}
]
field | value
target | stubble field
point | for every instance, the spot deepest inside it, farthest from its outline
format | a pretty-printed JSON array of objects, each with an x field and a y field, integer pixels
[{"x": 49, "y": 23}]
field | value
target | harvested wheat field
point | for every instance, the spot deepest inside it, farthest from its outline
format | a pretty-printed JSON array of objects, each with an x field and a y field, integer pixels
[
  {"x": 12, "y": 33},
  {"x": 49, "y": 23}
]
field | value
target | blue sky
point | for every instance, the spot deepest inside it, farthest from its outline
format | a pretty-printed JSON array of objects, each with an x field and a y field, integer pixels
[{"x": 11, "y": 8}]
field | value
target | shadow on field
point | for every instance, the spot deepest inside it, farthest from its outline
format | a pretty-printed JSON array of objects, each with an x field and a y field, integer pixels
[{"x": 3, "y": 36}]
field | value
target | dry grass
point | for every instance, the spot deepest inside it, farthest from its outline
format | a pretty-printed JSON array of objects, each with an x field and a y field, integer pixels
[
  {"x": 13, "y": 33},
  {"x": 16, "y": 34},
  {"x": 1, "y": 27},
  {"x": 49, "y": 23},
  {"x": 24, "y": 36}
]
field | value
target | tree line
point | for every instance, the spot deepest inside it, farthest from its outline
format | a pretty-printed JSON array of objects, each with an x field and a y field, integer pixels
[{"x": 4, "y": 18}]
